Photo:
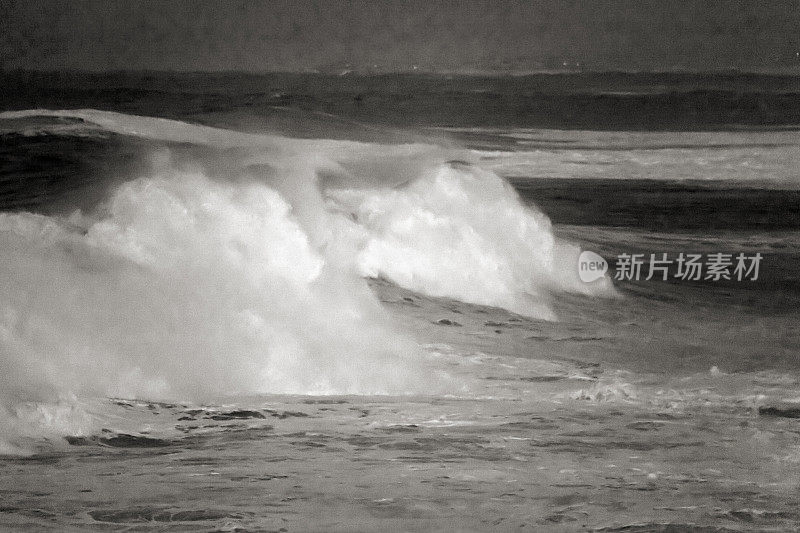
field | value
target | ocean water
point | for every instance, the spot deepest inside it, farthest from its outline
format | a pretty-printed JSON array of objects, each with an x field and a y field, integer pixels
[{"x": 318, "y": 303}]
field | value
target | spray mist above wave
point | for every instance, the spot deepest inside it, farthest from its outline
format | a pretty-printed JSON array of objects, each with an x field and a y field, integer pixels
[
  {"x": 186, "y": 287},
  {"x": 504, "y": 249},
  {"x": 190, "y": 283},
  {"x": 463, "y": 233}
]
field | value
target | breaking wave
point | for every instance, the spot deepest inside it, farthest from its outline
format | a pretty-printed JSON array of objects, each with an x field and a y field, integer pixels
[{"x": 194, "y": 280}]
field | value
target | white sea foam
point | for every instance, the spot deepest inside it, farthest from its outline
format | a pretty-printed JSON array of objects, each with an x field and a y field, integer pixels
[
  {"x": 186, "y": 285},
  {"x": 463, "y": 233}
]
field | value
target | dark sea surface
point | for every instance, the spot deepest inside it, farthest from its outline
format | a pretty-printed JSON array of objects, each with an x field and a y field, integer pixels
[{"x": 591, "y": 101}]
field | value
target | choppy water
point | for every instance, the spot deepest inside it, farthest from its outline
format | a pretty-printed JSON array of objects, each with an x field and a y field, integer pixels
[{"x": 210, "y": 327}]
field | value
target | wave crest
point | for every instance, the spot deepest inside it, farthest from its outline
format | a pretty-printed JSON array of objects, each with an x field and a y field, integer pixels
[
  {"x": 463, "y": 233},
  {"x": 187, "y": 285}
]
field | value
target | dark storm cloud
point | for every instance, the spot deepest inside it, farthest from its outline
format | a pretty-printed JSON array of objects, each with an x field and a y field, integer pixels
[{"x": 297, "y": 35}]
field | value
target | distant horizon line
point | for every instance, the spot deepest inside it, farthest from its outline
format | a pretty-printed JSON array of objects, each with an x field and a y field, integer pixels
[{"x": 794, "y": 72}]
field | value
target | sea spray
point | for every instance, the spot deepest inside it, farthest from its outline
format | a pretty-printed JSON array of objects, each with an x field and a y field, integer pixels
[
  {"x": 461, "y": 232},
  {"x": 242, "y": 272},
  {"x": 186, "y": 288}
]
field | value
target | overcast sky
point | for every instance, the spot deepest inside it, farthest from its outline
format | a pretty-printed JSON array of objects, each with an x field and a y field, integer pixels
[{"x": 433, "y": 35}]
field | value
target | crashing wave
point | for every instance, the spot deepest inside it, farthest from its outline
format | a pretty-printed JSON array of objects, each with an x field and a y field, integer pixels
[{"x": 185, "y": 284}]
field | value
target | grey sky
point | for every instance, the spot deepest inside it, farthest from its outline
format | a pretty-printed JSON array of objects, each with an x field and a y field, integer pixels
[{"x": 443, "y": 35}]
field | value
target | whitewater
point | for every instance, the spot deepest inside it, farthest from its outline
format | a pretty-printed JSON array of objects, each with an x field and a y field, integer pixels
[
  {"x": 186, "y": 285},
  {"x": 212, "y": 327}
]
